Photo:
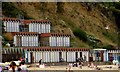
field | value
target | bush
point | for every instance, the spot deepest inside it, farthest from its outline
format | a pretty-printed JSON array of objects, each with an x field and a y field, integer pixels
[
  {"x": 109, "y": 47},
  {"x": 9, "y": 9},
  {"x": 81, "y": 34},
  {"x": 8, "y": 36}
]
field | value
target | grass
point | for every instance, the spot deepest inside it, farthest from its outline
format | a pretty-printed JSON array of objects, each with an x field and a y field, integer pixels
[
  {"x": 78, "y": 43},
  {"x": 68, "y": 21},
  {"x": 111, "y": 36}
]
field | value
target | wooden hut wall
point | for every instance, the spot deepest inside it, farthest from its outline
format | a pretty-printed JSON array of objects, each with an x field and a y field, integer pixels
[
  {"x": 41, "y": 27},
  {"x": 71, "y": 56},
  {"x": 44, "y": 41},
  {"x": 54, "y": 56},
  {"x": 34, "y": 55},
  {"x": 87, "y": 56},
  {"x": 5, "y": 24},
  {"x": 59, "y": 40},
  {"x": 105, "y": 56},
  {"x": 114, "y": 53},
  {"x": 39, "y": 55},
  {"x": 11, "y": 25},
  {"x": 26, "y": 40},
  {"x": 45, "y": 56},
  {"x": 29, "y": 58},
  {"x": 52, "y": 41},
  {"x": 64, "y": 55}
]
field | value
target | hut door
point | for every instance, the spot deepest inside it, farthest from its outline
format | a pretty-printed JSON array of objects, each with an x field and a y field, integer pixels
[
  {"x": 60, "y": 56},
  {"x": 76, "y": 56},
  {"x": 102, "y": 57},
  {"x": 31, "y": 57},
  {"x": 80, "y": 54}
]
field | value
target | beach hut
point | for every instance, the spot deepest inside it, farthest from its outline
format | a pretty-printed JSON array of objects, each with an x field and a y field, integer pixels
[
  {"x": 53, "y": 39},
  {"x": 55, "y": 54}
]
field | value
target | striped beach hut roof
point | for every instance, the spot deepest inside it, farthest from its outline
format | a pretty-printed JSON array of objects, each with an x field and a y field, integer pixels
[
  {"x": 26, "y": 21},
  {"x": 25, "y": 33},
  {"x": 10, "y": 19},
  {"x": 35, "y": 21},
  {"x": 55, "y": 49},
  {"x": 12, "y": 50},
  {"x": 53, "y": 34},
  {"x": 113, "y": 51}
]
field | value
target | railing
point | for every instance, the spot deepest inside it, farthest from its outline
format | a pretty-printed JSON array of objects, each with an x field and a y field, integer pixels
[{"x": 40, "y": 44}]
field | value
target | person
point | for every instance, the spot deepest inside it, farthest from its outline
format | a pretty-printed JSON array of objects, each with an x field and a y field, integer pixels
[
  {"x": 92, "y": 65},
  {"x": 77, "y": 60},
  {"x": 21, "y": 58},
  {"x": 89, "y": 64},
  {"x": 84, "y": 58},
  {"x": 32, "y": 59},
  {"x": 40, "y": 61},
  {"x": 1, "y": 69},
  {"x": 80, "y": 64},
  {"x": 23, "y": 67},
  {"x": 61, "y": 60},
  {"x": 119, "y": 65},
  {"x": 14, "y": 67},
  {"x": 81, "y": 59}
]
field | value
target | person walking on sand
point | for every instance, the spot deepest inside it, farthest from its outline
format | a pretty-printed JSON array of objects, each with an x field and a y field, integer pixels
[{"x": 40, "y": 61}]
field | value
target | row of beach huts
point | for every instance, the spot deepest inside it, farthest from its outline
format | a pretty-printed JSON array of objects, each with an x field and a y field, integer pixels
[{"x": 33, "y": 40}]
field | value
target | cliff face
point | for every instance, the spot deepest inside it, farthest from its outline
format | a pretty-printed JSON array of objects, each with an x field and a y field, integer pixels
[{"x": 91, "y": 18}]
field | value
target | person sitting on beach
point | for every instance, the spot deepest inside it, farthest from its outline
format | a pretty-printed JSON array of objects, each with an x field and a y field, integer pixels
[
  {"x": 89, "y": 64},
  {"x": 97, "y": 68},
  {"x": 23, "y": 67},
  {"x": 92, "y": 65}
]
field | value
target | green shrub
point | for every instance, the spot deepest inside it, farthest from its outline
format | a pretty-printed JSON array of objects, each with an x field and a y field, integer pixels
[
  {"x": 9, "y": 9},
  {"x": 80, "y": 33},
  {"x": 109, "y": 47}
]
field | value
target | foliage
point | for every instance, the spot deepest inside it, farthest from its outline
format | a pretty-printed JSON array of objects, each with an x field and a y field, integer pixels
[
  {"x": 92, "y": 41},
  {"x": 8, "y": 36},
  {"x": 115, "y": 5},
  {"x": 11, "y": 11},
  {"x": 81, "y": 34},
  {"x": 115, "y": 8},
  {"x": 111, "y": 36},
  {"x": 69, "y": 22},
  {"x": 109, "y": 47}
]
